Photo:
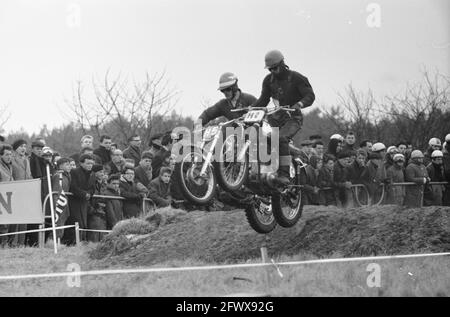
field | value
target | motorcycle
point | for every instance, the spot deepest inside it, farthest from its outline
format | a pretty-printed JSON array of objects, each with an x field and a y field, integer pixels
[{"x": 249, "y": 182}]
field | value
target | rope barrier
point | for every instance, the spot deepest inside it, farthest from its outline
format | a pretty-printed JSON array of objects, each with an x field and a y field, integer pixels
[{"x": 217, "y": 267}]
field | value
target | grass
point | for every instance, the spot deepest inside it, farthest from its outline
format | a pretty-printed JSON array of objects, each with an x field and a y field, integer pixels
[{"x": 402, "y": 277}]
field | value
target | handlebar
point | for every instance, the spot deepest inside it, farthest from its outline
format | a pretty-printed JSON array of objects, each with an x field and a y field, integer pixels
[{"x": 286, "y": 108}]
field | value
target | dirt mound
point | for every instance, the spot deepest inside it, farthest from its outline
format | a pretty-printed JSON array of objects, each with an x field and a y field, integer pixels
[{"x": 219, "y": 237}]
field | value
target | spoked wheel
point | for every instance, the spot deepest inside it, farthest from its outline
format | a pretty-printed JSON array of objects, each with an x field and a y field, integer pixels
[
  {"x": 260, "y": 217},
  {"x": 231, "y": 173},
  {"x": 288, "y": 206},
  {"x": 198, "y": 189}
]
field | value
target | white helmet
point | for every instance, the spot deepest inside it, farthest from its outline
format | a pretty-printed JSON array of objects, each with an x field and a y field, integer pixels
[
  {"x": 447, "y": 138},
  {"x": 416, "y": 154},
  {"x": 434, "y": 142},
  {"x": 392, "y": 149},
  {"x": 398, "y": 157},
  {"x": 437, "y": 153},
  {"x": 377, "y": 147},
  {"x": 337, "y": 136},
  {"x": 227, "y": 80}
]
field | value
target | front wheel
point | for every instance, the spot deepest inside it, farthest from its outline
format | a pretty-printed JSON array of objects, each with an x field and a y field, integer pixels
[
  {"x": 231, "y": 174},
  {"x": 260, "y": 217},
  {"x": 198, "y": 189}
]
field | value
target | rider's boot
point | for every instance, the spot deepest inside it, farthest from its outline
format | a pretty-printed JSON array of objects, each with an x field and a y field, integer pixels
[{"x": 282, "y": 178}]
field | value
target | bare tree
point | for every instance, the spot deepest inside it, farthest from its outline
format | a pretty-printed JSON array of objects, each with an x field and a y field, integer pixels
[
  {"x": 122, "y": 107},
  {"x": 5, "y": 115}
]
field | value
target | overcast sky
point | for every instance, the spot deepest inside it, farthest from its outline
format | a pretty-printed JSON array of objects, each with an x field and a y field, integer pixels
[{"x": 46, "y": 45}]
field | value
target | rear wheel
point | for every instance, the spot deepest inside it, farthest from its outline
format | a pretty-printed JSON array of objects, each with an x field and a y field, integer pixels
[
  {"x": 288, "y": 206},
  {"x": 260, "y": 217},
  {"x": 196, "y": 188}
]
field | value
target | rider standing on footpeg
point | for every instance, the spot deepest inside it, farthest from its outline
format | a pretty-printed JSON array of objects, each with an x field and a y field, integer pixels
[{"x": 291, "y": 89}]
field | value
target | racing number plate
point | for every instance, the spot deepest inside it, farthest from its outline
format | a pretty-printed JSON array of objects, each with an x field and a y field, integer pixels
[{"x": 254, "y": 116}]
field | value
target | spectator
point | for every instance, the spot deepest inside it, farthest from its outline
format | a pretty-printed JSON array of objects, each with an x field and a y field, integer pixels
[
  {"x": 113, "y": 147},
  {"x": 42, "y": 140},
  {"x": 395, "y": 172},
  {"x": 389, "y": 158},
  {"x": 20, "y": 163},
  {"x": 128, "y": 190},
  {"x": 356, "y": 168},
  {"x": 21, "y": 171},
  {"x": 379, "y": 148},
  {"x": 417, "y": 173},
  {"x": 342, "y": 180},
  {"x": 366, "y": 146},
  {"x": 155, "y": 143},
  {"x": 446, "y": 166},
  {"x": 55, "y": 157},
  {"x": 97, "y": 208},
  {"x": 326, "y": 182},
  {"x": 61, "y": 182},
  {"x": 433, "y": 196},
  {"x": 401, "y": 147},
  {"x": 334, "y": 147},
  {"x": 114, "y": 207},
  {"x": 373, "y": 176},
  {"x": 159, "y": 189},
  {"x": 47, "y": 155},
  {"x": 318, "y": 148},
  {"x": 143, "y": 173},
  {"x": 104, "y": 149},
  {"x": 6, "y": 175},
  {"x": 72, "y": 163},
  {"x": 37, "y": 163},
  {"x": 349, "y": 144},
  {"x": 86, "y": 141},
  {"x": 433, "y": 145},
  {"x": 90, "y": 151},
  {"x": 159, "y": 160},
  {"x": 311, "y": 182},
  {"x": 82, "y": 187},
  {"x": 133, "y": 151},
  {"x": 117, "y": 162}
]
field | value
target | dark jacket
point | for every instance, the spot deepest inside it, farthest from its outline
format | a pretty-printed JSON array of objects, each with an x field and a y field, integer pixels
[
  {"x": 60, "y": 201},
  {"x": 159, "y": 192},
  {"x": 158, "y": 161},
  {"x": 434, "y": 193},
  {"x": 414, "y": 194},
  {"x": 290, "y": 88},
  {"x": 37, "y": 166},
  {"x": 326, "y": 183},
  {"x": 142, "y": 176},
  {"x": 103, "y": 154},
  {"x": 114, "y": 169},
  {"x": 133, "y": 153},
  {"x": 132, "y": 205},
  {"x": 311, "y": 182},
  {"x": 114, "y": 208},
  {"x": 223, "y": 108},
  {"x": 82, "y": 183},
  {"x": 373, "y": 177},
  {"x": 354, "y": 172}
]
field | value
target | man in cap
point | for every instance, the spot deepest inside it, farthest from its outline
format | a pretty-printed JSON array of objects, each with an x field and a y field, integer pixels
[
  {"x": 289, "y": 88},
  {"x": 37, "y": 163},
  {"x": 143, "y": 173},
  {"x": 417, "y": 173},
  {"x": 374, "y": 176},
  {"x": 234, "y": 99}
]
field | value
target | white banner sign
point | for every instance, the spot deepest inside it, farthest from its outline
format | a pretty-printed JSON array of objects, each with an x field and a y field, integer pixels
[{"x": 20, "y": 202}]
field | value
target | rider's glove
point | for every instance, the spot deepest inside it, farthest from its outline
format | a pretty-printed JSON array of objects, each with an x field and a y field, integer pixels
[{"x": 297, "y": 106}]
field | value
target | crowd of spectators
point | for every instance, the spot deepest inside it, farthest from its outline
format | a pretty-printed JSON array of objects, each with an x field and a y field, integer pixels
[{"x": 133, "y": 174}]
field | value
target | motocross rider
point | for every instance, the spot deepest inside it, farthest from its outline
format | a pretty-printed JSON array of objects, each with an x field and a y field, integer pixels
[
  {"x": 234, "y": 99},
  {"x": 291, "y": 89}
]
